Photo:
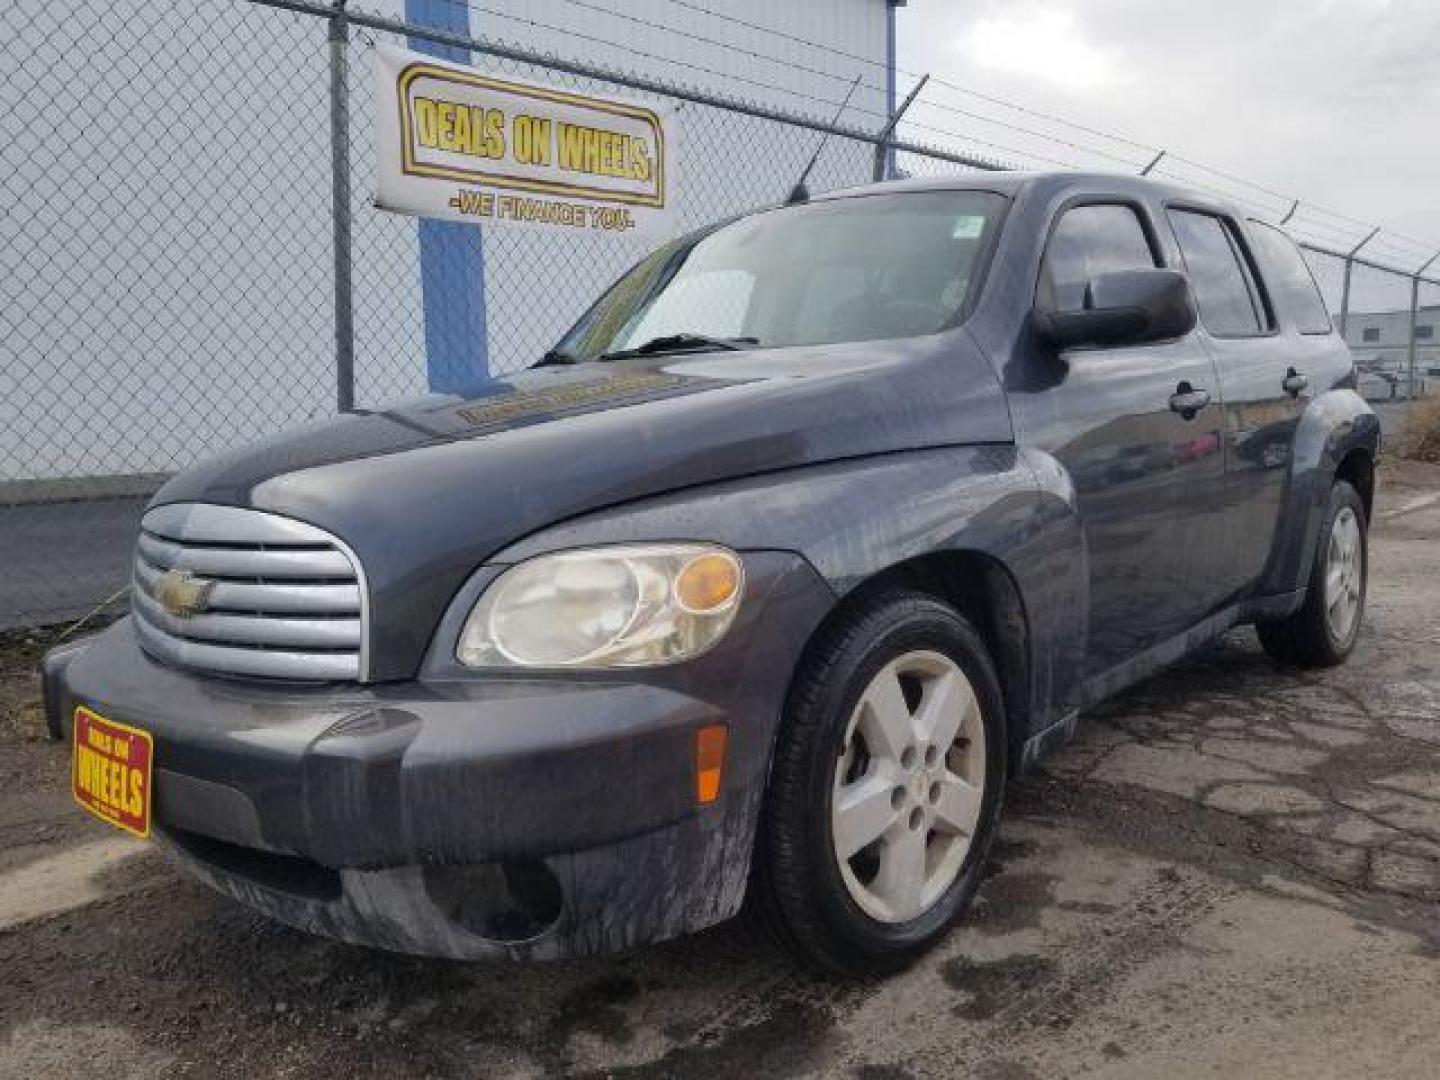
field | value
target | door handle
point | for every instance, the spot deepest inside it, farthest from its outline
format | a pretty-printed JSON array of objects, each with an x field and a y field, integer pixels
[
  {"x": 1294, "y": 382},
  {"x": 1187, "y": 401}
]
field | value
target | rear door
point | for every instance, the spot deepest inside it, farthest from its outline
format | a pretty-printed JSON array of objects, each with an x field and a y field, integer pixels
[
  {"x": 1145, "y": 472},
  {"x": 1262, "y": 383}
]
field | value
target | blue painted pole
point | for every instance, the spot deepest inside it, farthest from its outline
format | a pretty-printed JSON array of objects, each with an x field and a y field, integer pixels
[{"x": 452, "y": 259}]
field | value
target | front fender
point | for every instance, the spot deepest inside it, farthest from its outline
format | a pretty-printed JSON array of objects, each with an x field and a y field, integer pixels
[
  {"x": 853, "y": 519},
  {"x": 1333, "y": 425}
]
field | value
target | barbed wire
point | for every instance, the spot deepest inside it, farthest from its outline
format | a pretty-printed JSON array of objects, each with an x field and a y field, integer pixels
[
  {"x": 1317, "y": 220},
  {"x": 934, "y": 79},
  {"x": 1419, "y": 245},
  {"x": 630, "y": 50},
  {"x": 786, "y": 62},
  {"x": 965, "y": 137},
  {"x": 921, "y": 102},
  {"x": 154, "y": 328}
]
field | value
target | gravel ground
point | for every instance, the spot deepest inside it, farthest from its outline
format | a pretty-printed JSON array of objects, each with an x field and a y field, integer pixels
[{"x": 1234, "y": 870}]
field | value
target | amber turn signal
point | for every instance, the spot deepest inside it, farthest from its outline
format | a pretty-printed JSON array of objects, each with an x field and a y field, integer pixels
[
  {"x": 709, "y": 762},
  {"x": 707, "y": 583}
]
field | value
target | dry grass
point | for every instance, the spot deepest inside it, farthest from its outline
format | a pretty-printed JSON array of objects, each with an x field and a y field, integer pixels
[
  {"x": 21, "y": 716},
  {"x": 1421, "y": 441}
]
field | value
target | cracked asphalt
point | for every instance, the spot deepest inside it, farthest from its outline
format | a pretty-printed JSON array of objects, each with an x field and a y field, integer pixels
[{"x": 1233, "y": 871}]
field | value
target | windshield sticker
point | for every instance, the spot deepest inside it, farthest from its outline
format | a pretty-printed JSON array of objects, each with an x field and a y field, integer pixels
[{"x": 968, "y": 227}]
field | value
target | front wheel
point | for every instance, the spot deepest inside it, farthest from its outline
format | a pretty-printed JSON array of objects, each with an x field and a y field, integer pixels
[
  {"x": 1323, "y": 632},
  {"x": 886, "y": 788}
]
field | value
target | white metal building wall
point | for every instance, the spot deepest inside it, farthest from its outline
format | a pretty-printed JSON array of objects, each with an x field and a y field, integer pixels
[
  {"x": 1390, "y": 348},
  {"x": 741, "y": 57},
  {"x": 157, "y": 330}
]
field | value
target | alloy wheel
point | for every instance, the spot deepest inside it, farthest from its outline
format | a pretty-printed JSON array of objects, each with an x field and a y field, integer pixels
[
  {"x": 909, "y": 786},
  {"x": 1344, "y": 575}
]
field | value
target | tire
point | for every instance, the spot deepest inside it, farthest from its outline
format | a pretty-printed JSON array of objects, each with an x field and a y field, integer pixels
[
  {"x": 858, "y": 916},
  {"x": 1313, "y": 637}
]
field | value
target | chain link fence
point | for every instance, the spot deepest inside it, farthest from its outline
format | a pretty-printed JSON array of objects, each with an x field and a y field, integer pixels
[{"x": 190, "y": 259}]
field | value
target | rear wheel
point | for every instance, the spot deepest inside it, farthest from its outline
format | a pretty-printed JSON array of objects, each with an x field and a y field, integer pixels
[
  {"x": 886, "y": 788},
  {"x": 1323, "y": 632}
]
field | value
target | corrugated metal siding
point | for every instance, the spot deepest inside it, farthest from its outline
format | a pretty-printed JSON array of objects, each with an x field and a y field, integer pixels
[
  {"x": 738, "y": 53},
  {"x": 189, "y": 311}
]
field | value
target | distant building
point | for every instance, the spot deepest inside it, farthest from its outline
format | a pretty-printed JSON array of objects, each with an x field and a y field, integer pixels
[{"x": 1380, "y": 341}]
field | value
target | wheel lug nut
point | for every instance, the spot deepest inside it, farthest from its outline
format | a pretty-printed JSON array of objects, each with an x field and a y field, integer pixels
[
  {"x": 934, "y": 793},
  {"x": 917, "y": 818},
  {"x": 907, "y": 758},
  {"x": 897, "y": 798},
  {"x": 932, "y": 755}
]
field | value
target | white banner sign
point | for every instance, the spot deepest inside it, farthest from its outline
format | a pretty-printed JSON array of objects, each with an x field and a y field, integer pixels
[{"x": 458, "y": 143}]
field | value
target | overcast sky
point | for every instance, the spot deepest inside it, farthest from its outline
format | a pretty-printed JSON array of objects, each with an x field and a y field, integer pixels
[{"x": 1335, "y": 101}]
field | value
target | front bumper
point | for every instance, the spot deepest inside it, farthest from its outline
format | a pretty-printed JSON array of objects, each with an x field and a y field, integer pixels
[{"x": 497, "y": 815}]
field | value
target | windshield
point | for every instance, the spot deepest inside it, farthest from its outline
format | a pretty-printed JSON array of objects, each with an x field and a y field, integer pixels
[{"x": 853, "y": 269}]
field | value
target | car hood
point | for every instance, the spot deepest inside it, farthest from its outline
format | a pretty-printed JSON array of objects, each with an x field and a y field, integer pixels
[{"x": 426, "y": 492}]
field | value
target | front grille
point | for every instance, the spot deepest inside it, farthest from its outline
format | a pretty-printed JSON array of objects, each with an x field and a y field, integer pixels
[{"x": 281, "y": 599}]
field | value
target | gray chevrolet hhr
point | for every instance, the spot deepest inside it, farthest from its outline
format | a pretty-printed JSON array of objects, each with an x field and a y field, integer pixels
[{"x": 818, "y": 525}]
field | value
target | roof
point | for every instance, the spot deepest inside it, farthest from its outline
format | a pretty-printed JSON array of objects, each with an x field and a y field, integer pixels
[{"x": 1011, "y": 182}]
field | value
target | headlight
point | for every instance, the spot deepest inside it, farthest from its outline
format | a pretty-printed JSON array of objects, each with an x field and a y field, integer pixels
[{"x": 632, "y": 606}]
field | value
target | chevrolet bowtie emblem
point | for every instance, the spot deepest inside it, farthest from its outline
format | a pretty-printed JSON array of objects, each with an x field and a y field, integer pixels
[{"x": 181, "y": 593}]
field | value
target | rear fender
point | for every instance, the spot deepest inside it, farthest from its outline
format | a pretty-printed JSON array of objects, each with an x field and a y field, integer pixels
[{"x": 1336, "y": 423}]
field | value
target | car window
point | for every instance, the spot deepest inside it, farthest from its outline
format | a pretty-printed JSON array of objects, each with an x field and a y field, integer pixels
[
  {"x": 713, "y": 302},
  {"x": 1224, "y": 292},
  {"x": 834, "y": 270},
  {"x": 1090, "y": 240},
  {"x": 829, "y": 289},
  {"x": 1290, "y": 280}
]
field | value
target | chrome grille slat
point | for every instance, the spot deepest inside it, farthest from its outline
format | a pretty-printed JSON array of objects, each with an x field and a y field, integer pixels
[
  {"x": 285, "y": 600},
  {"x": 263, "y": 663},
  {"x": 265, "y": 598},
  {"x": 319, "y": 634},
  {"x": 230, "y": 562}
]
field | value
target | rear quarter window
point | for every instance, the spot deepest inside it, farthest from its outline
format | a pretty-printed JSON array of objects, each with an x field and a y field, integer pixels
[
  {"x": 1292, "y": 286},
  {"x": 1225, "y": 293}
]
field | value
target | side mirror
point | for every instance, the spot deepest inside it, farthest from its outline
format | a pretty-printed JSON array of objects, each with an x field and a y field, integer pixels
[{"x": 1128, "y": 307}]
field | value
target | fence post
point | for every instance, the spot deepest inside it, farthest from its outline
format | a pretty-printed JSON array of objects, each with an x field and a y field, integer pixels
[
  {"x": 1345, "y": 287},
  {"x": 884, "y": 157},
  {"x": 1345, "y": 299},
  {"x": 1415, "y": 319},
  {"x": 340, "y": 209}
]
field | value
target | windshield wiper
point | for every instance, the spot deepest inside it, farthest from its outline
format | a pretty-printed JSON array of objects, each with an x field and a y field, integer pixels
[
  {"x": 555, "y": 357},
  {"x": 682, "y": 343}
]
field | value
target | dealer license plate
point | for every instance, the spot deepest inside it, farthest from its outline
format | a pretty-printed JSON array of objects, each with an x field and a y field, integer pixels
[{"x": 110, "y": 776}]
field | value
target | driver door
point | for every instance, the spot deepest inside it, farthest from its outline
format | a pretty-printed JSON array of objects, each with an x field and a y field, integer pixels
[{"x": 1148, "y": 477}]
